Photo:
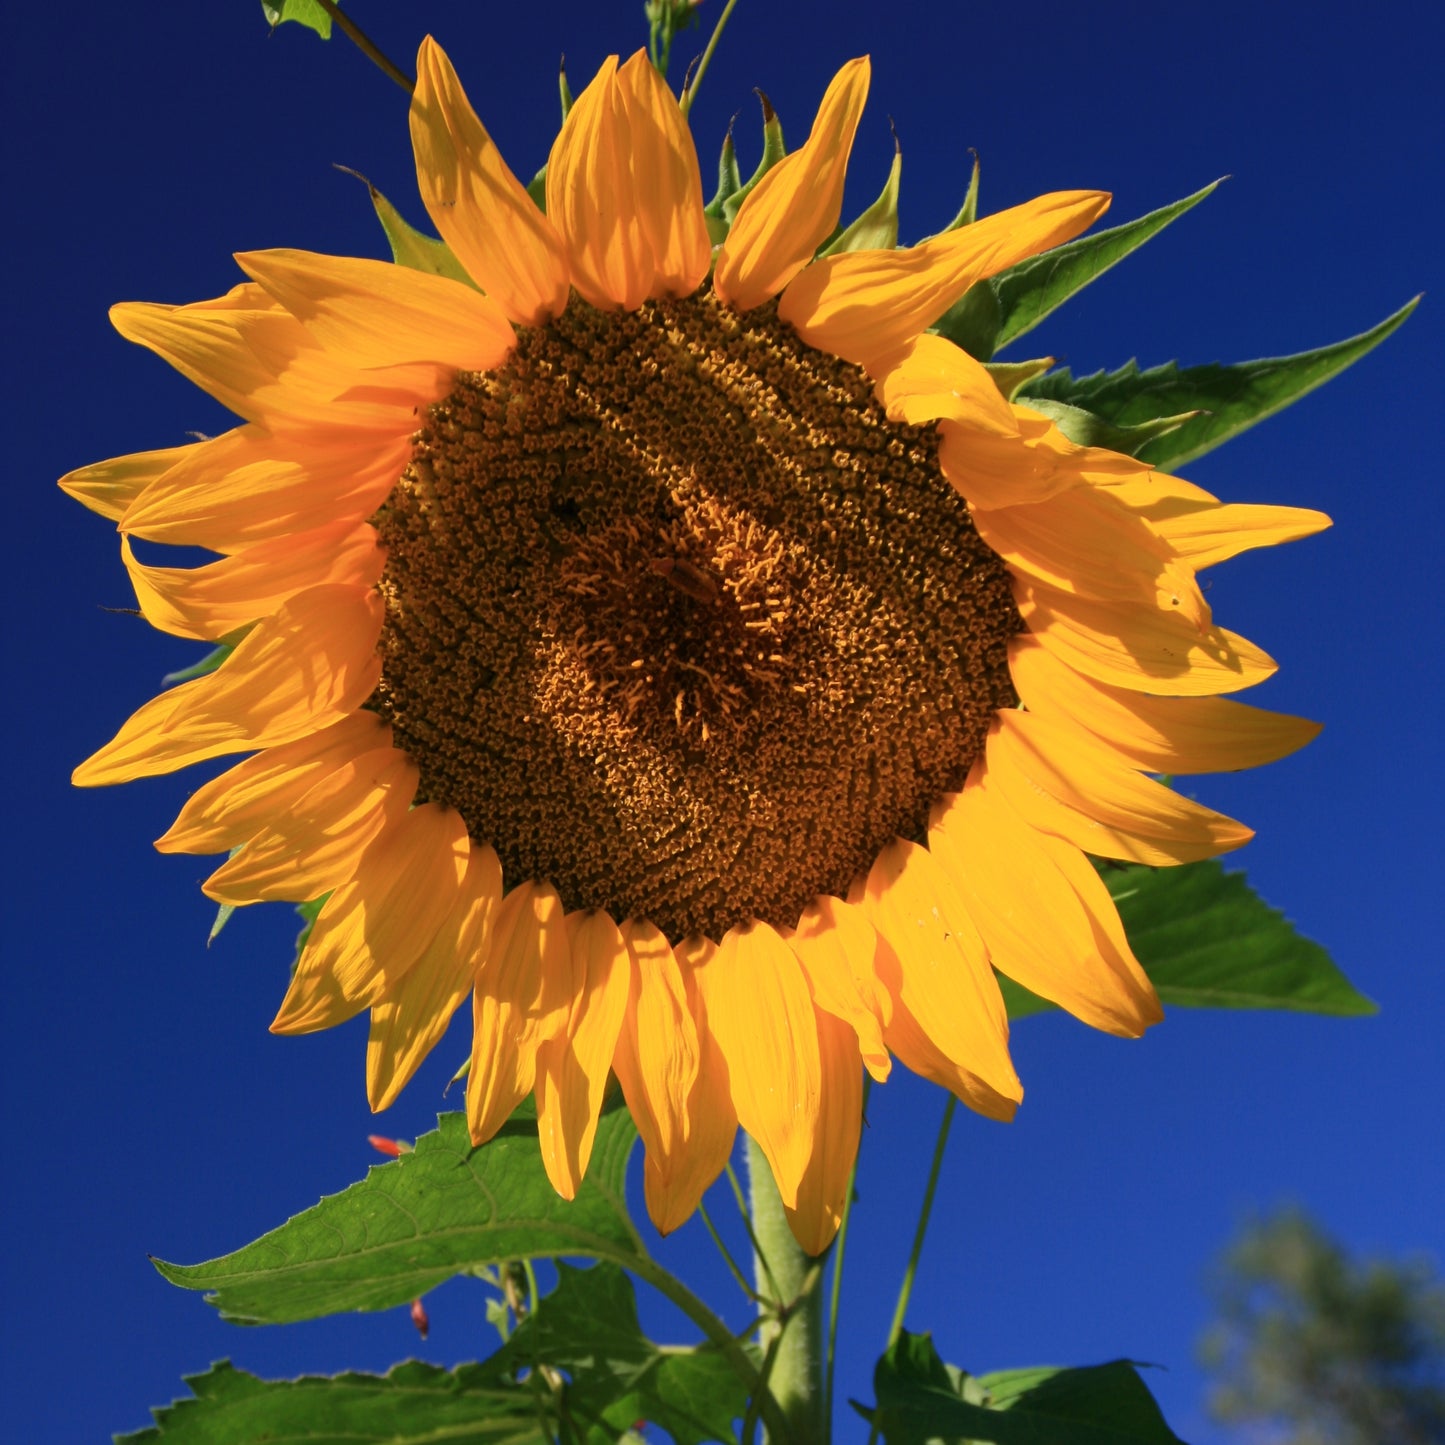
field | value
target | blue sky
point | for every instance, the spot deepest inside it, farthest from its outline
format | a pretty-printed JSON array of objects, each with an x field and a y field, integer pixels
[{"x": 149, "y": 1109}]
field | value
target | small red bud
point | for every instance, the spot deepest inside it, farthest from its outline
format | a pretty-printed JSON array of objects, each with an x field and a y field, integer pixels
[
  {"x": 420, "y": 1319},
  {"x": 392, "y": 1148}
]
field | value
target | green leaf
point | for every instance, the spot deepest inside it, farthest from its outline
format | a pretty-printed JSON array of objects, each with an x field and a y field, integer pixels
[
  {"x": 412, "y": 1404},
  {"x": 1088, "y": 430},
  {"x": 1032, "y": 289},
  {"x": 920, "y": 1399},
  {"x": 310, "y": 13},
  {"x": 588, "y": 1327},
  {"x": 1230, "y": 399},
  {"x": 1024, "y": 294},
  {"x": 1207, "y": 940},
  {"x": 441, "y": 1210}
]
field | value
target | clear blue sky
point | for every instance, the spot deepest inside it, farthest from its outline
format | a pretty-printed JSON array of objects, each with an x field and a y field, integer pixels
[{"x": 147, "y": 1107}]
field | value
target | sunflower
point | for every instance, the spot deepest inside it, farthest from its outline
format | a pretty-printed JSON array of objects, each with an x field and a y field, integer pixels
[{"x": 676, "y": 647}]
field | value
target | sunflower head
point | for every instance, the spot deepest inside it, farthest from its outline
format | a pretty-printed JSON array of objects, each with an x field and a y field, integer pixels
[{"x": 653, "y": 631}]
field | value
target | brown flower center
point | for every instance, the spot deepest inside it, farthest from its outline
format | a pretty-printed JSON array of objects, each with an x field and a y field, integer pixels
[{"x": 680, "y": 622}]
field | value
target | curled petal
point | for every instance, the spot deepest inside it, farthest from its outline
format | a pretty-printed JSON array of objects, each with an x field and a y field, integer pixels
[
  {"x": 1155, "y": 734},
  {"x": 666, "y": 183},
  {"x": 483, "y": 212},
  {"x": 948, "y": 1022},
  {"x": 292, "y": 675},
  {"x": 761, "y": 1014},
  {"x": 374, "y": 928},
  {"x": 1063, "y": 782},
  {"x": 795, "y": 206},
  {"x": 234, "y": 807},
  {"x": 1216, "y": 533},
  {"x": 408, "y": 1021},
  {"x": 572, "y": 1065},
  {"x": 316, "y": 845},
  {"x": 1039, "y": 927},
  {"x": 589, "y": 199},
  {"x": 208, "y": 602},
  {"x": 523, "y": 989},
  {"x": 863, "y": 305}
]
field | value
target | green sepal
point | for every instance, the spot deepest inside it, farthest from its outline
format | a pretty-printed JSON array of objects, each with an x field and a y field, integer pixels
[
  {"x": 973, "y": 321},
  {"x": 921, "y": 1400},
  {"x": 1029, "y": 291},
  {"x": 537, "y": 189},
  {"x": 564, "y": 92},
  {"x": 773, "y": 151},
  {"x": 1009, "y": 376},
  {"x": 211, "y": 661},
  {"x": 968, "y": 211},
  {"x": 877, "y": 228},
  {"x": 729, "y": 183},
  {"x": 409, "y": 247},
  {"x": 307, "y": 913},
  {"x": 1087, "y": 430},
  {"x": 1229, "y": 399},
  {"x": 1208, "y": 940},
  {"x": 442, "y": 1210},
  {"x": 309, "y": 13}
]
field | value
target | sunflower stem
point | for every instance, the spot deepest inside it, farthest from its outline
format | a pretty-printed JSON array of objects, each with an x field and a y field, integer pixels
[
  {"x": 689, "y": 93},
  {"x": 836, "y": 1292},
  {"x": 359, "y": 38},
  {"x": 796, "y": 1332},
  {"x": 906, "y": 1289}
]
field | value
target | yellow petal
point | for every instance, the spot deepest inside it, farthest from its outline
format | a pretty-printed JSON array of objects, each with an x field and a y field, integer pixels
[
  {"x": 208, "y": 602},
  {"x": 374, "y": 928},
  {"x": 316, "y": 845},
  {"x": 589, "y": 199},
  {"x": 374, "y": 313},
  {"x": 657, "y": 1048},
  {"x": 666, "y": 185},
  {"x": 823, "y": 1190},
  {"x": 1036, "y": 925},
  {"x": 1085, "y": 543},
  {"x": 1142, "y": 648},
  {"x": 292, "y": 675},
  {"x": 110, "y": 487},
  {"x": 1216, "y": 533},
  {"x": 410, "y": 1019},
  {"x": 483, "y": 212},
  {"x": 674, "y": 1184},
  {"x": 573, "y": 1065},
  {"x": 1063, "y": 782},
  {"x": 931, "y": 379},
  {"x": 1157, "y": 734},
  {"x": 948, "y": 1022},
  {"x": 234, "y": 807},
  {"x": 795, "y": 206},
  {"x": 862, "y": 305},
  {"x": 761, "y": 1013},
  {"x": 246, "y": 487},
  {"x": 830, "y": 940},
  {"x": 523, "y": 989}
]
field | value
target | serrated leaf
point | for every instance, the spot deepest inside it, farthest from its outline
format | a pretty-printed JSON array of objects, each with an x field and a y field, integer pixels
[
  {"x": 413, "y": 1403},
  {"x": 409, "y": 1225},
  {"x": 1029, "y": 291},
  {"x": 1088, "y": 430},
  {"x": 920, "y": 1400},
  {"x": 310, "y": 13},
  {"x": 994, "y": 312},
  {"x": 588, "y": 1327},
  {"x": 1207, "y": 940},
  {"x": 1231, "y": 399}
]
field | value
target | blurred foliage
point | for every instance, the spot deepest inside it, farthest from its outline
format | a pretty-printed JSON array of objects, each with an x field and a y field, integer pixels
[{"x": 1312, "y": 1347}]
